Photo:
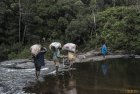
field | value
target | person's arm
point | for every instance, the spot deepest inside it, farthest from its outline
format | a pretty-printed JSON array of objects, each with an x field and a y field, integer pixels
[
  {"x": 44, "y": 50},
  {"x": 33, "y": 56}
]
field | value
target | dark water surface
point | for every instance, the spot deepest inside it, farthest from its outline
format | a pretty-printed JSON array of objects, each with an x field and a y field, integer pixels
[{"x": 114, "y": 76}]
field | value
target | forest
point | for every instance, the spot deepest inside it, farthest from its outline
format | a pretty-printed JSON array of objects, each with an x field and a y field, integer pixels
[{"x": 84, "y": 22}]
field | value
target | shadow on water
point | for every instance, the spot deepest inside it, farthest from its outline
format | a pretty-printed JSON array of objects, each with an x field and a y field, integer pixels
[
  {"x": 114, "y": 76},
  {"x": 59, "y": 84}
]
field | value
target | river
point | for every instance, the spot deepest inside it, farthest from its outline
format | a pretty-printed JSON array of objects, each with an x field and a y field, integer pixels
[{"x": 112, "y": 76}]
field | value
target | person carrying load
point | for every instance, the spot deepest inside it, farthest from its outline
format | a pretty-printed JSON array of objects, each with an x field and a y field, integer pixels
[
  {"x": 38, "y": 52},
  {"x": 71, "y": 48},
  {"x": 55, "y": 47}
]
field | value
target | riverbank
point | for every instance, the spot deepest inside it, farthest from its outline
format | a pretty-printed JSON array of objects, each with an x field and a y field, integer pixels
[
  {"x": 100, "y": 58},
  {"x": 93, "y": 56}
]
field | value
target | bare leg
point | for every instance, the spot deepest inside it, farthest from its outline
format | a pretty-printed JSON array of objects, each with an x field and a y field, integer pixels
[
  {"x": 56, "y": 63},
  {"x": 71, "y": 63},
  {"x": 56, "y": 66},
  {"x": 37, "y": 74}
]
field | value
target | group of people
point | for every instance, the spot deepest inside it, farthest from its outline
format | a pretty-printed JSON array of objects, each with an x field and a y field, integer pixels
[
  {"x": 38, "y": 56},
  {"x": 56, "y": 56}
]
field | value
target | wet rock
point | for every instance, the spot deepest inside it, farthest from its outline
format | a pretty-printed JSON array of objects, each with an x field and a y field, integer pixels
[
  {"x": 92, "y": 57},
  {"x": 25, "y": 65},
  {"x": 119, "y": 52},
  {"x": 137, "y": 56},
  {"x": 91, "y": 53},
  {"x": 17, "y": 74},
  {"x": 95, "y": 55}
]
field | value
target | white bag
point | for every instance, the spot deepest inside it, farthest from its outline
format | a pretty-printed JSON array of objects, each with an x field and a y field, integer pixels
[
  {"x": 69, "y": 47},
  {"x": 35, "y": 49},
  {"x": 55, "y": 44}
]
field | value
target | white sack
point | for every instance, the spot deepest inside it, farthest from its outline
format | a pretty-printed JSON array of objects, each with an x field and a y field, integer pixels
[
  {"x": 55, "y": 44},
  {"x": 69, "y": 47},
  {"x": 35, "y": 49}
]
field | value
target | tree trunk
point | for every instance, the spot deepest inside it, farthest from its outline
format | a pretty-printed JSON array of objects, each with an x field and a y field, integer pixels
[
  {"x": 94, "y": 20},
  {"x": 114, "y": 3},
  {"x": 93, "y": 27},
  {"x": 23, "y": 38},
  {"x": 138, "y": 5},
  {"x": 126, "y": 2},
  {"x": 19, "y": 20}
]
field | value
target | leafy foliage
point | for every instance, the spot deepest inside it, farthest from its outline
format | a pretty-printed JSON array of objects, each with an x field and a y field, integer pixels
[
  {"x": 116, "y": 26},
  {"x": 84, "y": 22}
]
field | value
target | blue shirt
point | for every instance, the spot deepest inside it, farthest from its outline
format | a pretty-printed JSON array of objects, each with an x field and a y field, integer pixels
[{"x": 104, "y": 49}]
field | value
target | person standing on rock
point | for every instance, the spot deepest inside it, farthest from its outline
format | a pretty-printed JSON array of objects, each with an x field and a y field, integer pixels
[
  {"x": 71, "y": 57},
  {"x": 55, "y": 47},
  {"x": 104, "y": 50},
  {"x": 71, "y": 49},
  {"x": 56, "y": 56},
  {"x": 39, "y": 61}
]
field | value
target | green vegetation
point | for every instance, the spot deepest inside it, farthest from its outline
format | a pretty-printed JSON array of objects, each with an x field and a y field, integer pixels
[{"x": 83, "y": 22}]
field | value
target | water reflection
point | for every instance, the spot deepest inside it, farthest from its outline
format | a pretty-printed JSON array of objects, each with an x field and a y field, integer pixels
[
  {"x": 66, "y": 84},
  {"x": 71, "y": 88},
  {"x": 104, "y": 68},
  {"x": 62, "y": 83}
]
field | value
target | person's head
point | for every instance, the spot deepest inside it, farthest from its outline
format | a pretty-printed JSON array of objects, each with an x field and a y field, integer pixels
[
  {"x": 53, "y": 48},
  {"x": 103, "y": 42},
  {"x": 42, "y": 48}
]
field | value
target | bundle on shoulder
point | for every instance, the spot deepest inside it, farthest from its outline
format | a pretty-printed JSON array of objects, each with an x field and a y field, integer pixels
[{"x": 35, "y": 49}]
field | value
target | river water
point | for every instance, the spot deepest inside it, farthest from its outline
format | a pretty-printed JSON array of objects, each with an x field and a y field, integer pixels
[{"x": 113, "y": 76}]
